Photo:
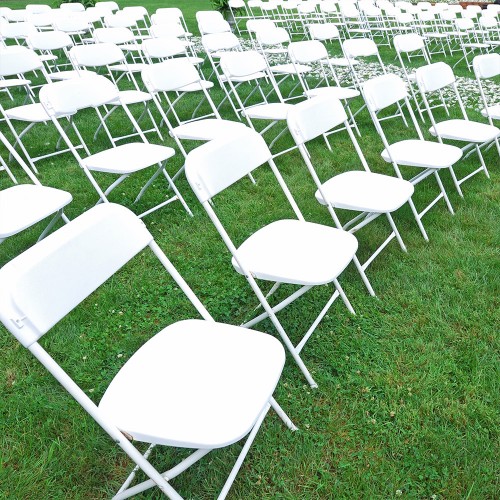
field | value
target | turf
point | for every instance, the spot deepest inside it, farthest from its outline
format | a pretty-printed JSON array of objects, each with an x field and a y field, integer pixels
[{"x": 409, "y": 394}]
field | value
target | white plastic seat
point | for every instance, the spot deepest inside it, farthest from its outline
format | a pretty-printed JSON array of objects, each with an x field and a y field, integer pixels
[
  {"x": 384, "y": 92},
  {"x": 223, "y": 397},
  {"x": 437, "y": 77},
  {"x": 360, "y": 191},
  {"x": 284, "y": 251},
  {"x": 123, "y": 160},
  {"x": 288, "y": 242},
  {"x": 24, "y": 205}
]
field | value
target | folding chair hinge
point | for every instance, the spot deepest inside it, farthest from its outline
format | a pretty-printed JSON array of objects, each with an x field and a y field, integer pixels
[{"x": 19, "y": 322}]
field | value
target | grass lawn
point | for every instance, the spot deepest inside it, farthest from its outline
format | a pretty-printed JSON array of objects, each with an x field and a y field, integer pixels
[{"x": 409, "y": 388}]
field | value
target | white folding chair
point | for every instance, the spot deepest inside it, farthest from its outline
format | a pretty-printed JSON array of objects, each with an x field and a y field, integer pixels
[
  {"x": 19, "y": 63},
  {"x": 71, "y": 96},
  {"x": 413, "y": 45},
  {"x": 468, "y": 41},
  {"x": 439, "y": 76},
  {"x": 428, "y": 157},
  {"x": 249, "y": 70},
  {"x": 24, "y": 205},
  {"x": 487, "y": 66},
  {"x": 179, "y": 77},
  {"x": 361, "y": 191},
  {"x": 290, "y": 251},
  {"x": 110, "y": 57},
  {"x": 325, "y": 80},
  {"x": 154, "y": 398}
]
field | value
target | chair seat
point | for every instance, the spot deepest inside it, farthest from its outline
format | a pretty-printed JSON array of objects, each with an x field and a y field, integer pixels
[
  {"x": 493, "y": 111},
  {"x": 132, "y": 67},
  {"x": 245, "y": 78},
  {"x": 366, "y": 192},
  {"x": 342, "y": 61},
  {"x": 128, "y": 158},
  {"x": 157, "y": 397},
  {"x": 68, "y": 75},
  {"x": 426, "y": 154},
  {"x": 271, "y": 111},
  {"x": 297, "y": 252},
  {"x": 26, "y": 204},
  {"x": 134, "y": 96},
  {"x": 207, "y": 129},
  {"x": 13, "y": 82},
  {"x": 338, "y": 92},
  {"x": 290, "y": 69},
  {"x": 28, "y": 113},
  {"x": 197, "y": 86},
  {"x": 465, "y": 130}
]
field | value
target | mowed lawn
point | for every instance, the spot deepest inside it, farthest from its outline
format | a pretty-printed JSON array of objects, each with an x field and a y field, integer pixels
[{"x": 409, "y": 393}]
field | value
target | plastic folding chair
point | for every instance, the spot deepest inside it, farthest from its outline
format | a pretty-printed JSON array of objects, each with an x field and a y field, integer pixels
[
  {"x": 439, "y": 76},
  {"x": 325, "y": 81},
  {"x": 250, "y": 70},
  {"x": 327, "y": 32},
  {"x": 172, "y": 13},
  {"x": 19, "y": 63},
  {"x": 361, "y": 191},
  {"x": 180, "y": 77},
  {"x": 468, "y": 42},
  {"x": 24, "y": 205},
  {"x": 71, "y": 96},
  {"x": 413, "y": 45},
  {"x": 153, "y": 398},
  {"x": 428, "y": 157},
  {"x": 487, "y": 66},
  {"x": 110, "y": 57},
  {"x": 211, "y": 21},
  {"x": 290, "y": 251}
]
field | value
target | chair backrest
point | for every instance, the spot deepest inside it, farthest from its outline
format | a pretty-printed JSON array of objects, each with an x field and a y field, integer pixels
[
  {"x": 109, "y": 5},
  {"x": 169, "y": 75},
  {"x": 114, "y": 35},
  {"x": 169, "y": 30},
  {"x": 307, "y": 51},
  {"x": 158, "y": 48},
  {"x": 241, "y": 64},
  {"x": 273, "y": 36},
  {"x": 464, "y": 24},
  {"x": 409, "y": 42},
  {"x": 359, "y": 47},
  {"x": 72, "y": 23},
  {"x": 38, "y": 8},
  {"x": 69, "y": 96},
  {"x": 218, "y": 164},
  {"x": 18, "y": 30},
  {"x": 254, "y": 25},
  {"x": 17, "y": 60},
  {"x": 72, "y": 7},
  {"x": 323, "y": 31},
  {"x": 434, "y": 76},
  {"x": 220, "y": 41},
  {"x": 49, "y": 40},
  {"x": 383, "y": 91},
  {"x": 311, "y": 118},
  {"x": 40, "y": 20},
  {"x": 486, "y": 65},
  {"x": 97, "y": 54},
  {"x": 50, "y": 279}
]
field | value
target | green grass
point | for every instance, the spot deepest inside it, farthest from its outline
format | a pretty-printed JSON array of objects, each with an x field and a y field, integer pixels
[{"x": 409, "y": 388}]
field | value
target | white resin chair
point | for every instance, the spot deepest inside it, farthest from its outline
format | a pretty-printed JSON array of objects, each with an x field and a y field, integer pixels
[
  {"x": 177, "y": 78},
  {"x": 488, "y": 66},
  {"x": 428, "y": 157},
  {"x": 24, "y": 205},
  {"x": 439, "y": 76},
  {"x": 249, "y": 71},
  {"x": 153, "y": 399},
  {"x": 359, "y": 190},
  {"x": 71, "y": 96},
  {"x": 287, "y": 251}
]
